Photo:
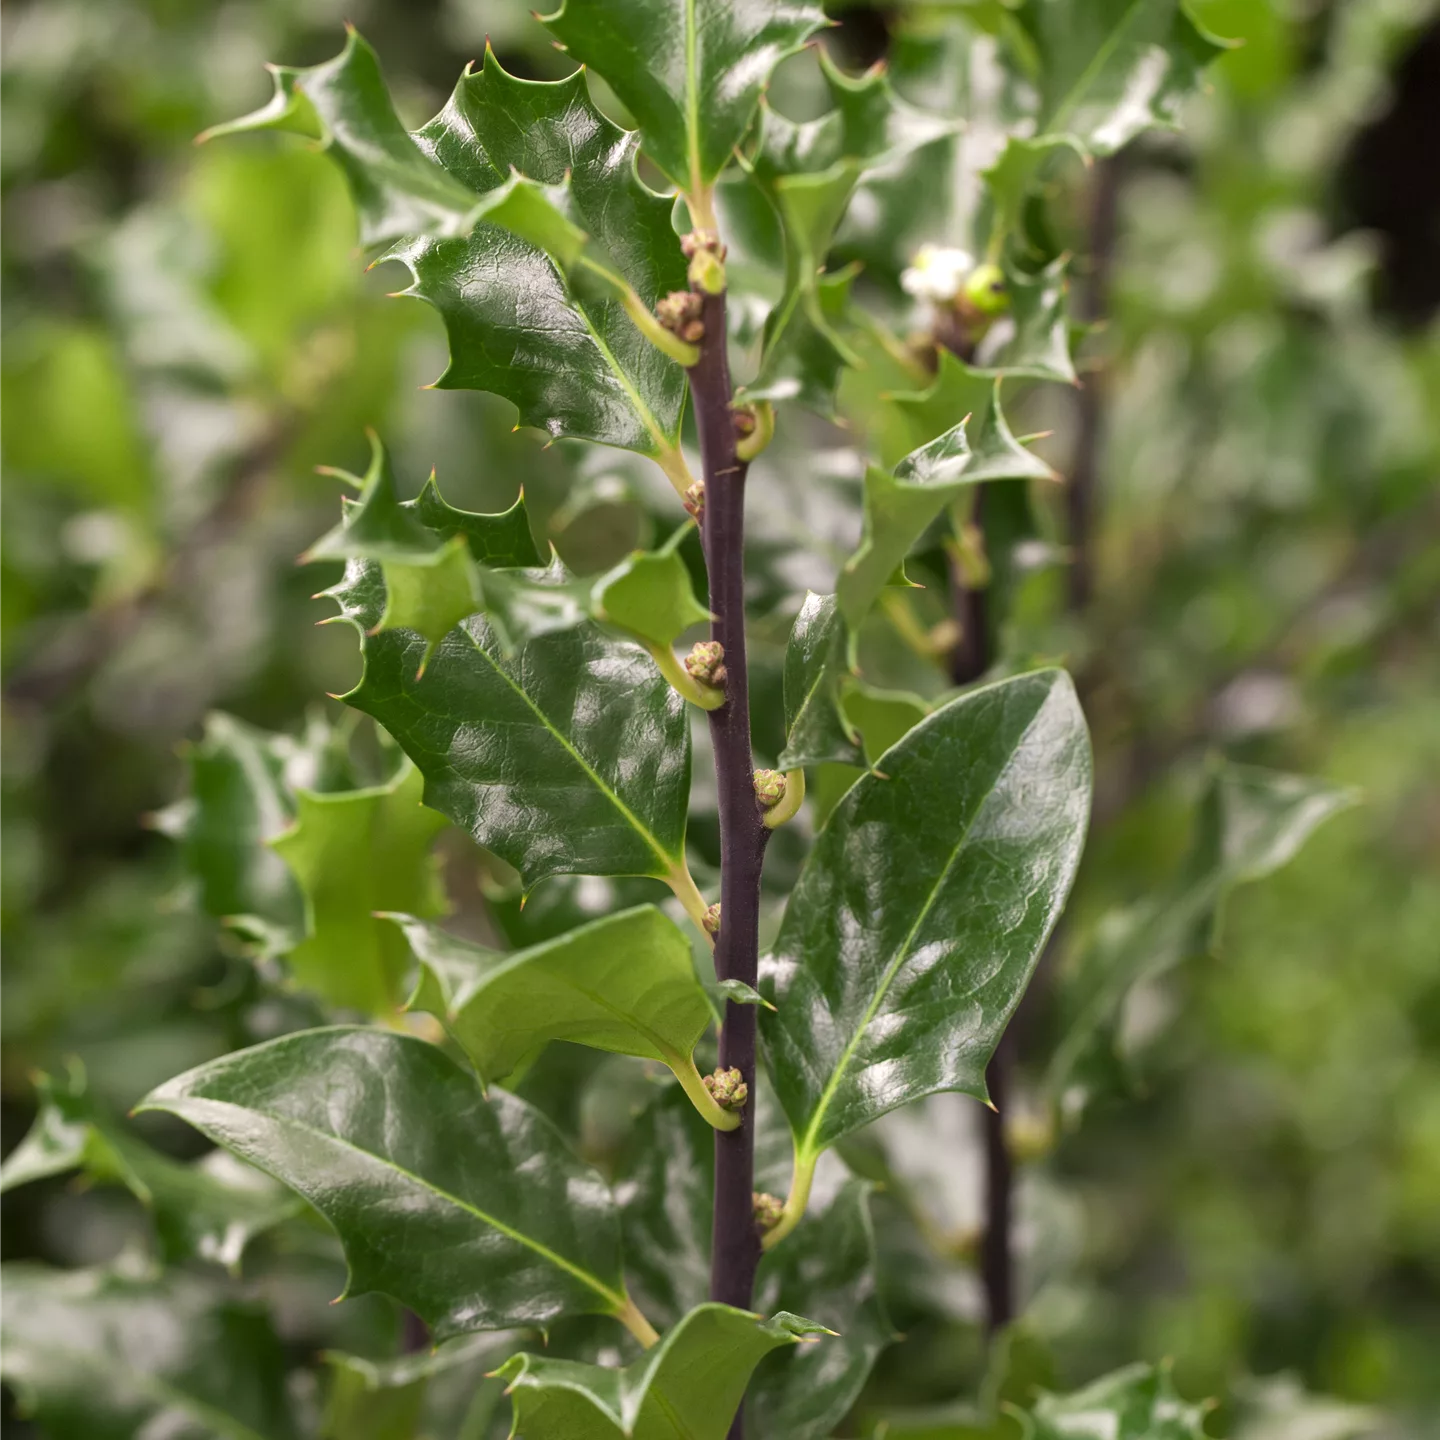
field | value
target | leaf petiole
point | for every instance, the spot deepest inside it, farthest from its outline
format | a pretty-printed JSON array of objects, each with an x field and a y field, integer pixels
[
  {"x": 801, "y": 1179},
  {"x": 630, "y": 1317}
]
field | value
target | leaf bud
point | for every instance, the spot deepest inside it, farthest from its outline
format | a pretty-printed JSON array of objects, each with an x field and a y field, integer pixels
[
  {"x": 768, "y": 1210},
  {"x": 707, "y": 273},
  {"x": 711, "y": 919},
  {"x": 679, "y": 312},
  {"x": 985, "y": 292},
  {"x": 694, "y": 500},
  {"x": 706, "y": 663},
  {"x": 697, "y": 240},
  {"x": 769, "y": 788},
  {"x": 727, "y": 1088}
]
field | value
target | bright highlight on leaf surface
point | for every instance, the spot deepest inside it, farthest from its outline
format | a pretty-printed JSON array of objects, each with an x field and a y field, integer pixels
[{"x": 468, "y": 1208}]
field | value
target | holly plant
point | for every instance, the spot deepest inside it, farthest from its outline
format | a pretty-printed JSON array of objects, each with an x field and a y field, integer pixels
[{"x": 838, "y": 315}]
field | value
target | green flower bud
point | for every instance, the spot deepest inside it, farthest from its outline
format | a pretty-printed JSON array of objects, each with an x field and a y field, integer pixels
[
  {"x": 706, "y": 663},
  {"x": 694, "y": 500},
  {"x": 727, "y": 1088},
  {"x": 769, "y": 788},
  {"x": 679, "y": 312},
  {"x": 768, "y": 1210},
  {"x": 711, "y": 919},
  {"x": 985, "y": 291}
]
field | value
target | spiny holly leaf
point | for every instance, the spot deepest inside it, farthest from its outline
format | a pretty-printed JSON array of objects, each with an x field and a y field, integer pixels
[
  {"x": 1136, "y": 1403},
  {"x": 1036, "y": 330},
  {"x": 107, "y": 1355},
  {"x": 570, "y": 757},
  {"x": 468, "y": 1208},
  {"x": 690, "y": 71},
  {"x": 898, "y": 507},
  {"x": 429, "y": 553},
  {"x": 1249, "y": 824},
  {"x": 816, "y": 668},
  {"x": 803, "y": 353},
  {"x": 398, "y": 190},
  {"x": 828, "y": 1267},
  {"x": 354, "y": 852},
  {"x": 1108, "y": 69},
  {"x": 959, "y": 392},
  {"x": 690, "y": 1384},
  {"x": 651, "y": 594},
  {"x": 387, "y": 1399},
  {"x": 570, "y": 359},
  {"x": 210, "y": 1208},
  {"x": 625, "y": 984},
  {"x": 923, "y": 907},
  {"x": 238, "y": 800}
]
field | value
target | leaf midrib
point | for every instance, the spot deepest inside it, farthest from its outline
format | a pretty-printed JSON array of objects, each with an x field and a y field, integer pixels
[
  {"x": 633, "y": 820},
  {"x": 807, "y": 1145},
  {"x": 559, "y": 1261},
  {"x": 1087, "y": 75}
]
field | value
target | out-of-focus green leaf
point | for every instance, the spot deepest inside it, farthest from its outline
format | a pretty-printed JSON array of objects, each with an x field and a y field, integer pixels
[
  {"x": 689, "y": 1384},
  {"x": 354, "y": 852},
  {"x": 690, "y": 71},
  {"x": 624, "y": 984},
  {"x": 816, "y": 667},
  {"x": 1250, "y": 822},
  {"x": 106, "y": 1355},
  {"x": 570, "y": 757},
  {"x": 828, "y": 1267},
  {"x": 898, "y": 507},
  {"x": 923, "y": 908},
  {"x": 209, "y": 1209},
  {"x": 1137, "y": 1403},
  {"x": 468, "y": 1208},
  {"x": 883, "y": 717}
]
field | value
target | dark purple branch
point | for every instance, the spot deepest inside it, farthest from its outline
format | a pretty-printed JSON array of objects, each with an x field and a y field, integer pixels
[{"x": 735, "y": 1248}]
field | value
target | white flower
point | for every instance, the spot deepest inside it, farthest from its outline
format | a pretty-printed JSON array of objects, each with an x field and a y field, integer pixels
[{"x": 937, "y": 273}]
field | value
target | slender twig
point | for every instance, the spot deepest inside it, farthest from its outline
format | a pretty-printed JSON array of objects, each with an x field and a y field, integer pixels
[{"x": 735, "y": 1249}]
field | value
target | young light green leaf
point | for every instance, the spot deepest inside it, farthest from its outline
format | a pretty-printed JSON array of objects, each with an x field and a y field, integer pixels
[
  {"x": 690, "y": 1384},
  {"x": 898, "y": 507},
  {"x": 883, "y": 717},
  {"x": 959, "y": 391},
  {"x": 397, "y": 188},
  {"x": 827, "y": 1268},
  {"x": 104, "y": 1354},
  {"x": 816, "y": 667},
  {"x": 570, "y": 757},
  {"x": 923, "y": 908},
  {"x": 208, "y": 1209},
  {"x": 354, "y": 852},
  {"x": 1136, "y": 1403},
  {"x": 625, "y": 984},
  {"x": 1250, "y": 822},
  {"x": 465, "y": 1207},
  {"x": 690, "y": 71},
  {"x": 651, "y": 594}
]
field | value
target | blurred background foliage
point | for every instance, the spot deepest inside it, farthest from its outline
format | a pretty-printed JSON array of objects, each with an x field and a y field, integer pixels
[{"x": 188, "y": 334}]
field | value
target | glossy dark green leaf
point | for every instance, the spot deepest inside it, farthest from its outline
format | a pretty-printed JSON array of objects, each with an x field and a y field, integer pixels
[
  {"x": 923, "y": 908},
  {"x": 625, "y": 984},
  {"x": 1249, "y": 823},
  {"x": 816, "y": 667},
  {"x": 689, "y": 1385},
  {"x": 354, "y": 852},
  {"x": 898, "y": 507},
  {"x": 570, "y": 359},
  {"x": 496, "y": 541},
  {"x": 827, "y": 1267},
  {"x": 107, "y": 1355},
  {"x": 465, "y": 1207},
  {"x": 1136, "y": 1403},
  {"x": 690, "y": 71},
  {"x": 397, "y": 188},
  {"x": 571, "y": 756},
  {"x": 208, "y": 1209}
]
